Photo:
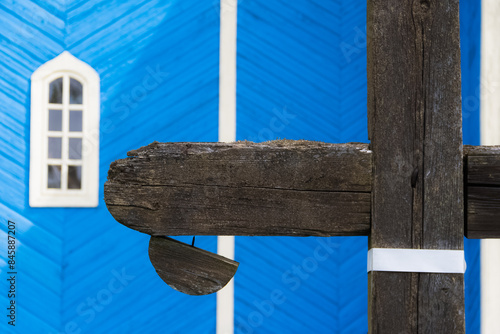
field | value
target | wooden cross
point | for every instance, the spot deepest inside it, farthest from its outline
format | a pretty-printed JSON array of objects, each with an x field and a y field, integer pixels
[{"x": 407, "y": 189}]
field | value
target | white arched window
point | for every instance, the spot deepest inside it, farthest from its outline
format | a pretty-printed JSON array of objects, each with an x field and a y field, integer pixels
[{"x": 64, "y": 153}]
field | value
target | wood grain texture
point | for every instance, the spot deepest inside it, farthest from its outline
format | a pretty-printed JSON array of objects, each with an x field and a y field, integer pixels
[
  {"x": 189, "y": 269},
  {"x": 482, "y": 192},
  {"x": 414, "y": 112},
  {"x": 295, "y": 188},
  {"x": 483, "y": 165}
]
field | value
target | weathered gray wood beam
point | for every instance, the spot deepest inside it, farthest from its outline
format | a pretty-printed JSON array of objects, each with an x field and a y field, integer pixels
[
  {"x": 482, "y": 181},
  {"x": 290, "y": 188},
  {"x": 482, "y": 191},
  {"x": 414, "y": 116}
]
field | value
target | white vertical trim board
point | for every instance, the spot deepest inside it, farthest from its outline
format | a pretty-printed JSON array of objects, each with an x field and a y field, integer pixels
[
  {"x": 225, "y": 297},
  {"x": 227, "y": 71},
  {"x": 490, "y": 135},
  {"x": 227, "y": 133}
]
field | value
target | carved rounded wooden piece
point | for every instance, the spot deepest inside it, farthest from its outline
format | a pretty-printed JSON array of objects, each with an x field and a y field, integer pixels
[{"x": 189, "y": 269}]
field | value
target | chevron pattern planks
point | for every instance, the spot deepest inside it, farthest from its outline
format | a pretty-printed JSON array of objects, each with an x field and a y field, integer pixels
[
  {"x": 301, "y": 75},
  {"x": 82, "y": 270},
  {"x": 176, "y": 44},
  {"x": 39, "y": 245}
]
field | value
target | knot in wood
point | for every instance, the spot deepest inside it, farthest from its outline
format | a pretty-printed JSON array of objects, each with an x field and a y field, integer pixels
[{"x": 425, "y": 4}]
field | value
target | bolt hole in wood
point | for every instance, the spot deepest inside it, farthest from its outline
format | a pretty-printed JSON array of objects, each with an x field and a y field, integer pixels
[{"x": 425, "y": 4}]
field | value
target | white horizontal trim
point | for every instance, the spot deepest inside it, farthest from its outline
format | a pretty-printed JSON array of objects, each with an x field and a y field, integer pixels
[{"x": 416, "y": 260}]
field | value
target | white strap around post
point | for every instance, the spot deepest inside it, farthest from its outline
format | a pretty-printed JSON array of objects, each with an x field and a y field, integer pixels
[{"x": 416, "y": 260}]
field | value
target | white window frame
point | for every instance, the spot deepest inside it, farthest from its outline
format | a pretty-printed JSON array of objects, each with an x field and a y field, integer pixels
[{"x": 65, "y": 65}]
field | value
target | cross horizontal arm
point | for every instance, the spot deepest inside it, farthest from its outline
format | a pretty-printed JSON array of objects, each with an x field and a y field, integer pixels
[
  {"x": 482, "y": 191},
  {"x": 275, "y": 188},
  {"x": 290, "y": 188}
]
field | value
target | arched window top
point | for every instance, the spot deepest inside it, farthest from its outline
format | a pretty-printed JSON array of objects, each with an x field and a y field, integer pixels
[
  {"x": 64, "y": 134},
  {"x": 66, "y": 63}
]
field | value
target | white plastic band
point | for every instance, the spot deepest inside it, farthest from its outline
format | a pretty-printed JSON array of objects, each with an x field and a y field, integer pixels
[{"x": 416, "y": 260}]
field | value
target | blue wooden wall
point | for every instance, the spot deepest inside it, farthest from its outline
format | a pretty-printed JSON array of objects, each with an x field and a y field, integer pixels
[
  {"x": 470, "y": 38},
  {"x": 79, "y": 270},
  {"x": 301, "y": 75}
]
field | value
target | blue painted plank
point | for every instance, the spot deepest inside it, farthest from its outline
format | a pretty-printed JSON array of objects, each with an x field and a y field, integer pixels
[
  {"x": 36, "y": 16},
  {"x": 21, "y": 33},
  {"x": 470, "y": 44}
]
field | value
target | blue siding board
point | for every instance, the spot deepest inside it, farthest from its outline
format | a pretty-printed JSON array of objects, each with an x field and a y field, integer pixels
[
  {"x": 472, "y": 286},
  {"x": 24, "y": 45},
  {"x": 294, "y": 59},
  {"x": 41, "y": 267},
  {"x": 38, "y": 264},
  {"x": 470, "y": 40},
  {"x": 14, "y": 92},
  {"x": 55, "y": 7},
  {"x": 97, "y": 279},
  {"x": 11, "y": 129},
  {"x": 17, "y": 68},
  {"x": 270, "y": 79},
  {"x": 101, "y": 11},
  {"x": 11, "y": 167},
  {"x": 120, "y": 41},
  {"x": 280, "y": 104},
  {"x": 7, "y": 191},
  {"x": 32, "y": 323},
  {"x": 31, "y": 57},
  {"x": 186, "y": 98},
  {"x": 34, "y": 15},
  {"x": 159, "y": 296},
  {"x": 10, "y": 124},
  {"x": 314, "y": 13},
  {"x": 16, "y": 31},
  {"x": 39, "y": 301},
  {"x": 165, "y": 88},
  {"x": 109, "y": 27}
]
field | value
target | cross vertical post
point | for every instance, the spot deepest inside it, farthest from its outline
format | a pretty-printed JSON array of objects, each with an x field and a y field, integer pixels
[{"x": 414, "y": 120}]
